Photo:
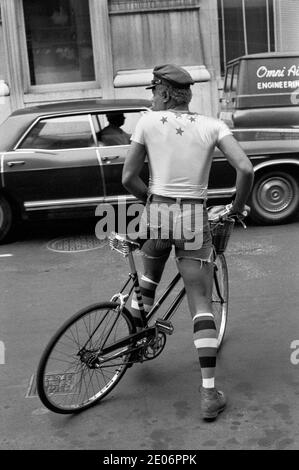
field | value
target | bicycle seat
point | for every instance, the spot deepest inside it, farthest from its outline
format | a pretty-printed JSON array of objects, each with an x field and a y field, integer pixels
[{"x": 122, "y": 243}]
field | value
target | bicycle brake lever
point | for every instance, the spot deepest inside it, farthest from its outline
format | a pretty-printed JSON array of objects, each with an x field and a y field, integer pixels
[{"x": 243, "y": 223}]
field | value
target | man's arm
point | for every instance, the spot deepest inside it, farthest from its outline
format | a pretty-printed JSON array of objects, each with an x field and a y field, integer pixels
[
  {"x": 239, "y": 160},
  {"x": 131, "y": 171}
]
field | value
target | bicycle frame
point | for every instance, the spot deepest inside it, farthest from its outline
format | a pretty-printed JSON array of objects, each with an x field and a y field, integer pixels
[
  {"x": 150, "y": 330},
  {"x": 176, "y": 302},
  {"x": 172, "y": 308},
  {"x": 103, "y": 335},
  {"x": 127, "y": 341}
]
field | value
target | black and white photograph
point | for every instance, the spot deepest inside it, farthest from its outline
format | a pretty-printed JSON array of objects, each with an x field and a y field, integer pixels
[{"x": 149, "y": 220}]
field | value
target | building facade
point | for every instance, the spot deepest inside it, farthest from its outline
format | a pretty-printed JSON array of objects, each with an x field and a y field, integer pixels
[{"x": 54, "y": 50}]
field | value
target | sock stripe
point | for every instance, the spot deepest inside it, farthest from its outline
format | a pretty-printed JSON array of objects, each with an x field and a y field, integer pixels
[
  {"x": 208, "y": 383},
  {"x": 148, "y": 300},
  {"x": 202, "y": 334},
  {"x": 207, "y": 352},
  {"x": 147, "y": 279},
  {"x": 204, "y": 325},
  {"x": 134, "y": 304},
  {"x": 207, "y": 362},
  {"x": 198, "y": 315},
  {"x": 206, "y": 343},
  {"x": 147, "y": 292},
  {"x": 142, "y": 300},
  {"x": 147, "y": 308}
]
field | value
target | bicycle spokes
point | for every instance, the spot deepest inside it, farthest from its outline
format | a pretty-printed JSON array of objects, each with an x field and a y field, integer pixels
[{"x": 74, "y": 374}]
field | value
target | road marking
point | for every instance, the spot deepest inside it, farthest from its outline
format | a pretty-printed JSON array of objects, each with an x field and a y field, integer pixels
[
  {"x": 2, "y": 170},
  {"x": 6, "y": 255},
  {"x": 2, "y": 352},
  {"x": 40, "y": 411}
]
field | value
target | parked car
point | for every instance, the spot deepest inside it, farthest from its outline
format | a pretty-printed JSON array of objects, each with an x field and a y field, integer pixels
[
  {"x": 262, "y": 90},
  {"x": 53, "y": 164}
]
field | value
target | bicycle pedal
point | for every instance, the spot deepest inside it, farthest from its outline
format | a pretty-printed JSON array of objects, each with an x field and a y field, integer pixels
[{"x": 164, "y": 326}]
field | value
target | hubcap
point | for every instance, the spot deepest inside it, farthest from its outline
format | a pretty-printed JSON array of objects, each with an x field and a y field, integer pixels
[{"x": 275, "y": 194}]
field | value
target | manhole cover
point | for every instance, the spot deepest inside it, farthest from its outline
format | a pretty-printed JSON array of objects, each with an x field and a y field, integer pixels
[
  {"x": 61, "y": 384},
  {"x": 78, "y": 243}
]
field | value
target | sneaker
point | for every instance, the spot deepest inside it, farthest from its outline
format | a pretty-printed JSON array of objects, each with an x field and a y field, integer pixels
[{"x": 212, "y": 403}]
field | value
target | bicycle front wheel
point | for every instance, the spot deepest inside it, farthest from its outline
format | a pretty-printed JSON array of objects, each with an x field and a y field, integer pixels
[
  {"x": 69, "y": 378},
  {"x": 220, "y": 297}
]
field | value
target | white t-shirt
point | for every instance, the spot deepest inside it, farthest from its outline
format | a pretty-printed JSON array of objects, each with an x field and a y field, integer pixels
[{"x": 179, "y": 147}]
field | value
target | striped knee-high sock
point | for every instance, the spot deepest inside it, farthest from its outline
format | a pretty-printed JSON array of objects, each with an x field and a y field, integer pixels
[
  {"x": 147, "y": 291},
  {"x": 205, "y": 340}
]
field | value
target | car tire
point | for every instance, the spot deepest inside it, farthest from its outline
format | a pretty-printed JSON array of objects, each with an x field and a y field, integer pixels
[
  {"x": 6, "y": 218},
  {"x": 274, "y": 198}
]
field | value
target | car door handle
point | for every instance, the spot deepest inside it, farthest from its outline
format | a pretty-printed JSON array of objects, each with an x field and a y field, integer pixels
[
  {"x": 108, "y": 159},
  {"x": 18, "y": 162}
]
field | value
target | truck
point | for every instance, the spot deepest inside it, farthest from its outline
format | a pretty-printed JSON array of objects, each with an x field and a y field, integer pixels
[{"x": 261, "y": 90}]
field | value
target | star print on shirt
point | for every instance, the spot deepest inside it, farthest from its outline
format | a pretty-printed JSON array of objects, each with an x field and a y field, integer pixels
[
  {"x": 192, "y": 119},
  {"x": 163, "y": 120},
  {"x": 179, "y": 131}
]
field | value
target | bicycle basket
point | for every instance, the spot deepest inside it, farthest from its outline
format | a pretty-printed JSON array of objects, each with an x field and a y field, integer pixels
[{"x": 221, "y": 231}]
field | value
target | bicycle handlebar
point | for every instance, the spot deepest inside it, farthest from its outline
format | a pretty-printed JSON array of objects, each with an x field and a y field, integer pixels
[{"x": 222, "y": 213}]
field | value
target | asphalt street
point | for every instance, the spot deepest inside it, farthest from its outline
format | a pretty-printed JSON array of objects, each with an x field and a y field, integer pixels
[{"x": 55, "y": 269}]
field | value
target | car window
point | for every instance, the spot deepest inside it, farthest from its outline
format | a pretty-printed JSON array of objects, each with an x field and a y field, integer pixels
[
  {"x": 228, "y": 79},
  {"x": 255, "y": 135},
  {"x": 235, "y": 78},
  {"x": 56, "y": 133},
  {"x": 116, "y": 127}
]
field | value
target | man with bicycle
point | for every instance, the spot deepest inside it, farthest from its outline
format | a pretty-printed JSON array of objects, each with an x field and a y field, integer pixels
[{"x": 179, "y": 146}]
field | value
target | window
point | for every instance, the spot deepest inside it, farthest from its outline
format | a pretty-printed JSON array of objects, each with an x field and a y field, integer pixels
[
  {"x": 60, "y": 133},
  {"x": 265, "y": 134},
  {"x": 235, "y": 78},
  {"x": 59, "y": 45},
  {"x": 228, "y": 79},
  {"x": 245, "y": 27},
  {"x": 116, "y": 127},
  {"x": 154, "y": 31}
]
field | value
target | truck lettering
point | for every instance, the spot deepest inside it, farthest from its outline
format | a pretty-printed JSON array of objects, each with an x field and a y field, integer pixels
[
  {"x": 293, "y": 71},
  {"x": 263, "y": 72}
]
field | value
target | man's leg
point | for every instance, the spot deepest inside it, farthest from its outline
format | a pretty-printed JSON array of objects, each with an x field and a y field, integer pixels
[
  {"x": 152, "y": 272},
  {"x": 198, "y": 281}
]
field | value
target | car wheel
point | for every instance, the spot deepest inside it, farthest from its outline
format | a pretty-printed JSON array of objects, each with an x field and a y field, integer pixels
[
  {"x": 274, "y": 198},
  {"x": 5, "y": 218}
]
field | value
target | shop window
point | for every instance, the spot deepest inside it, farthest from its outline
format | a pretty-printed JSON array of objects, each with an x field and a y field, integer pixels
[
  {"x": 59, "y": 44},
  {"x": 245, "y": 27}
]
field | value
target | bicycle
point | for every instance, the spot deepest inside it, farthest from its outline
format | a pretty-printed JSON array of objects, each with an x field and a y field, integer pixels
[{"x": 92, "y": 350}]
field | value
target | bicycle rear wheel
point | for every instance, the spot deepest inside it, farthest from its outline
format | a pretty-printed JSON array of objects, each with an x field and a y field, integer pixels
[
  {"x": 220, "y": 297},
  {"x": 69, "y": 378}
]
